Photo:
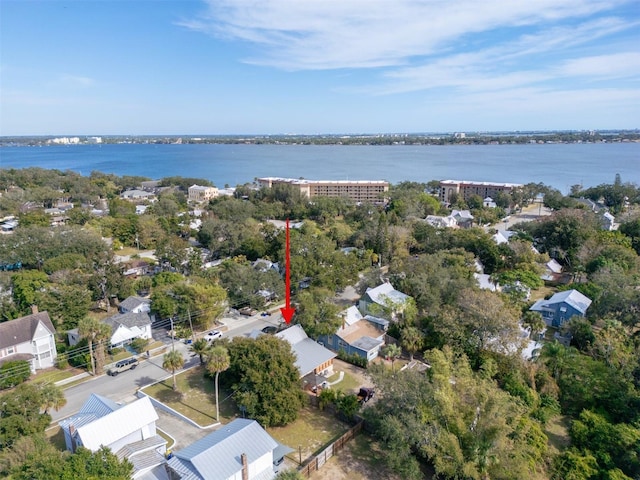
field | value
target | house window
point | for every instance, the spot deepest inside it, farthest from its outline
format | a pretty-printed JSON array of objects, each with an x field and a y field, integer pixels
[
  {"x": 342, "y": 344},
  {"x": 11, "y": 350}
]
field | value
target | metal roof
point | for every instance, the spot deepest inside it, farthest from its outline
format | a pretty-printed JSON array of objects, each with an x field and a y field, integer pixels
[
  {"x": 309, "y": 354},
  {"x": 117, "y": 424},
  {"x": 218, "y": 455}
]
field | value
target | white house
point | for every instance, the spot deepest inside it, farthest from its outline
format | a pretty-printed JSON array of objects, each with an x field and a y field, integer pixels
[
  {"x": 311, "y": 357},
  {"x": 240, "y": 450},
  {"x": 439, "y": 221},
  {"x": 127, "y": 326},
  {"x": 128, "y": 430},
  {"x": 30, "y": 338},
  {"x": 135, "y": 305},
  {"x": 383, "y": 301}
]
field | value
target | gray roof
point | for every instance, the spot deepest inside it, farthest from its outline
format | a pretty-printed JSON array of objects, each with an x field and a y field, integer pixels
[
  {"x": 367, "y": 343},
  {"x": 309, "y": 354},
  {"x": 217, "y": 456},
  {"x": 21, "y": 330},
  {"x": 381, "y": 322},
  {"x": 132, "y": 302},
  {"x": 128, "y": 319}
]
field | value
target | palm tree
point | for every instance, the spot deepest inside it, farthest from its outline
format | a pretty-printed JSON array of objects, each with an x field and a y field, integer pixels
[
  {"x": 218, "y": 362},
  {"x": 392, "y": 351},
  {"x": 52, "y": 397},
  {"x": 94, "y": 331},
  {"x": 173, "y": 361},
  {"x": 411, "y": 339},
  {"x": 200, "y": 347},
  {"x": 555, "y": 356}
]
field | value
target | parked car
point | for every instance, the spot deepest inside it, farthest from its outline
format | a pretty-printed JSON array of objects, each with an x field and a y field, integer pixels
[
  {"x": 248, "y": 311},
  {"x": 213, "y": 335},
  {"x": 270, "y": 329},
  {"x": 123, "y": 366}
]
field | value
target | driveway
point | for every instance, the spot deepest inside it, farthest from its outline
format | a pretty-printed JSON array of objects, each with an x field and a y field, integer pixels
[{"x": 182, "y": 432}]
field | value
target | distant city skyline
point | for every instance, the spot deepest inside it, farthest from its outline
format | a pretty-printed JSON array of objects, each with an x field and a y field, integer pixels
[{"x": 231, "y": 67}]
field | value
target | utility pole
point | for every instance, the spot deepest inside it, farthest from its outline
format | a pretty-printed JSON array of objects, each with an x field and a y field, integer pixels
[
  {"x": 193, "y": 337},
  {"x": 173, "y": 335}
]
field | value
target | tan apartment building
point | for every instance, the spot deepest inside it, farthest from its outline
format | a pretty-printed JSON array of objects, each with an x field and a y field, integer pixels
[
  {"x": 466, "y": 189},
  {"x": 357, "y": 190},
  {"x": 199, "y": 193}
]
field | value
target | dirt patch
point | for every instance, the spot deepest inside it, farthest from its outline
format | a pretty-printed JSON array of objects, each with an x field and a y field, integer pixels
[{"x": 361, "y": 459}]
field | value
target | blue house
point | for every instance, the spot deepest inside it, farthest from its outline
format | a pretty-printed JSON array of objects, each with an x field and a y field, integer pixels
[
  {"x": 356, "y": 336},
  {"x": 561, "y": 307}
]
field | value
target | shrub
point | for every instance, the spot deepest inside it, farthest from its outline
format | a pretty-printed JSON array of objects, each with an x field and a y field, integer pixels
[
  {"x": 13, "y": 373},
  {"x": 139, "y": 344},
  {"x": 353, "y": 359}
]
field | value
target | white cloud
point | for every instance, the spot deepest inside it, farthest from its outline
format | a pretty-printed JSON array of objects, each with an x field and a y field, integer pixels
[
  {"x": 75, "y": 80},
  {"x": 329, "y": 34}
]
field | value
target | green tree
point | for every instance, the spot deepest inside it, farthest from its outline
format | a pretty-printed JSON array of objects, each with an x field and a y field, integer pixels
[
  {"x": 411, "y": 339},
  {"x": 101, "y": 464},
  {"x": 173, "y": 361},
  {"x": 200, "y": 347},
  {"x": 265, "y": 380},
  {"x": 20, "y": 414},
  {"x": 393, "y": 352},
  {"x": 316, "y": 313},
  {"x": 52, "y": 396},
  {"x": 218, "y": 362}
]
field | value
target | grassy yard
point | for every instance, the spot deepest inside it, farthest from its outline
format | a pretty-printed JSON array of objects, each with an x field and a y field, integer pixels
[
  {"x": 310, "y": 432},
  {"x": 56, "y": 437},
  {"x": 53, "y": 375},
  {"x": 195, "y": 397},
  {"x": 348, "y": 384}
]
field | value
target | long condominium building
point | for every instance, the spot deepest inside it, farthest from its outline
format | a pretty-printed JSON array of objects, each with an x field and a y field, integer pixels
[
  {"x": 357, "y": 190},
  {"x": 466, "y": 189}
]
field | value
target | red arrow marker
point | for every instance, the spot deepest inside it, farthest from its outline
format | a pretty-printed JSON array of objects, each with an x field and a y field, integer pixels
[{"x": 287, "y": 311}]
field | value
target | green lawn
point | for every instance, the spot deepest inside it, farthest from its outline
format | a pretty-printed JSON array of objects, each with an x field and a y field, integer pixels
[
  {"x": 348, "y": 384},
  {"x": 311, "y": 432},
  {"x": 195, "y": 397},
  {"x": 53, "y": 375}
]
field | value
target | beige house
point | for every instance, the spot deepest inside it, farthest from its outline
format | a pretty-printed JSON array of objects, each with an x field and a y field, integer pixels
[{"x": 200, "y": 193}]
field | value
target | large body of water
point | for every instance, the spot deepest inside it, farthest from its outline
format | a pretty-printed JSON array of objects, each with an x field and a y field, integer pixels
[{"x": 556, "y": 165}]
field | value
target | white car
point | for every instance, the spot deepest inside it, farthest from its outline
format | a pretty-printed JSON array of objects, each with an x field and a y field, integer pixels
[{"x": 213, "y": 335}]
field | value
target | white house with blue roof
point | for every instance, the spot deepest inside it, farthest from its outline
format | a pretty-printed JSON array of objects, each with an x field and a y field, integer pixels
[
  {"x": 128, "y": 430},
  {"x": 242, "y": 449},
  {"x": 561, "y": 307}
]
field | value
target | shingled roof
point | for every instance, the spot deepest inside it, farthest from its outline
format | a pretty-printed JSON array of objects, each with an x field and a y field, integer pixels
[{"x": 21, "y": 330}]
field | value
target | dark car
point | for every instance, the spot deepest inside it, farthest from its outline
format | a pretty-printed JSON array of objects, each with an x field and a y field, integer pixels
[
  {"x": 123, "y": 366},
  {"x": 270, "y": 329}
]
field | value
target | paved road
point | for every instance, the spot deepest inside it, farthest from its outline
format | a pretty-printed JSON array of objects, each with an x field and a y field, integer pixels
[{"x": 122, "y": 388}]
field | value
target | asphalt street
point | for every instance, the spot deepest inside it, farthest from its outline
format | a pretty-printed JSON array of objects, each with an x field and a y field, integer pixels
[{"x": 122, "y": 388}]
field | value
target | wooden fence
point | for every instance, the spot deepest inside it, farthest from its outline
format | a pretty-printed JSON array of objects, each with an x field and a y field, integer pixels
[{"x": 319, "y": 460}]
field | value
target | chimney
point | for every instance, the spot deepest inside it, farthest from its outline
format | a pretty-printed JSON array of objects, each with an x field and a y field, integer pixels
[
  {"x": 245, "y": 467},
  {"x": 34, "y": 309}
]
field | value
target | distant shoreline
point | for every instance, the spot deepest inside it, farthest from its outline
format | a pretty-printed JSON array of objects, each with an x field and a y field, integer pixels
[{"x": 459, "y": 138}]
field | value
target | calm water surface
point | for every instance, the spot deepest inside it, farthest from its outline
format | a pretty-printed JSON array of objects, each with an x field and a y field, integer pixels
[{"x": 556, "y": 165}]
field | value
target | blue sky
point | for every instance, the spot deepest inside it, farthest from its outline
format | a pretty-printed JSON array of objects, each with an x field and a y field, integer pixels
[{"x": 90, "y": 67}]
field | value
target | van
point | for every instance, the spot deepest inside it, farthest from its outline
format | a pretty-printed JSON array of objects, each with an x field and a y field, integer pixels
[{"x": 123, "y": 366}]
